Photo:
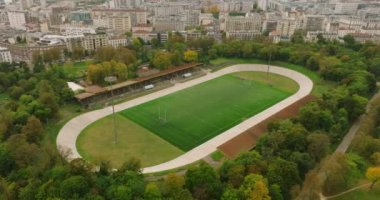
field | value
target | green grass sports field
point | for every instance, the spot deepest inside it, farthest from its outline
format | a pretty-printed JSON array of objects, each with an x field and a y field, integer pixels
[
  {"x": 95, "y": 143},
  {"x": 192, "y": 116}
]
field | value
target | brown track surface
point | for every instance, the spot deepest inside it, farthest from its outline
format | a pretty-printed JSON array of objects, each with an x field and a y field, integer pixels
[{"x": 247, "y": 140}]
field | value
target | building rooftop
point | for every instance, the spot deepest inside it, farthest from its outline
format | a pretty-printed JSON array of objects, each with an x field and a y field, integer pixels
[
  {"x": 141, "y": 31},
  {"x": 74, "y": 87},
  {"x": 143, "y": 25},
  {"x": 118, "y": 10}
]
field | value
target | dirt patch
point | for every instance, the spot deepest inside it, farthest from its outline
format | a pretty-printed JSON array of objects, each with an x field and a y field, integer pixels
[{"x": 247, "y": 140}]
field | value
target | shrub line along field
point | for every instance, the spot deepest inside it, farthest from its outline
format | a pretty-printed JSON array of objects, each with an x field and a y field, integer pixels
[
  {"x": 190, "y": 117},
  {"x": 193, "y": 116}
]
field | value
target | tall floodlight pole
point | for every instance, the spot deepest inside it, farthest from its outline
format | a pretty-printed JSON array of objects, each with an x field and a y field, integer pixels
[
  {"x": 270, "y": 57},
  {"x": 110, "y": 80}
]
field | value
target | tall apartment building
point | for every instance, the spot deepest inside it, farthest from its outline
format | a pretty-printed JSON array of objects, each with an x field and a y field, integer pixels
[
  {"x": 236, "y": 5},
  {"x": 91, "y": 42},
  {"x": 191, "y": 18},
  {"x": 315, "y": 23},
  {"x": 81, "y": 16},
  {"x": 286, "y": 27},
  {"x": 351, "y": 23},
  {"x": 17, "y": 19},
  {"x": 125, "y": 3},
  {"x": 43, "y": 3},
  {"x": 262, "y": 4},
  {"x": 346, "y": 8},
  {"x": 25, "y": 53},
  {"x": 118, "y": 41},
  {"x": 122, "y": 19},
  {"x": 162, "y": 10},
  {"x": 3, "y": 16},
  {"x": 369, "y": 13},
  {"x": 59, "y": 15},
  {"x": 5, "y": 55},
  {"x": 206, "y": 19},
  {"x": 70, "y": 30},
  {"x": 25, "y": 4},
  {"x": 270, "y": 25},
  {"x": 169, "y": 23},
  {"x": 312, "y": 36},
  {"x": 121, "y": 24},
  {"x": 249, "y": 22},
  {"x": 244, "y": 27}
]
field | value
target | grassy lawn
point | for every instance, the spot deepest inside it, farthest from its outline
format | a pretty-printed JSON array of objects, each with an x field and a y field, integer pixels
[
  {"x": 320, "y": 85},
  {"x": 220, "y": 61},
  {"x": 199, "y": 113},
  {"x": 96, "y": 143},
  {"x": 52, "y": 127},
  {"x": 281, "y": 82},
  {"x": 362, "y": 194},
  {"x": 217, "y": 155},
  {"x": 77, "y": 69}
]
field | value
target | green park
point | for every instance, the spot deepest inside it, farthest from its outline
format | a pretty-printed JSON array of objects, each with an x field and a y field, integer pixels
[{"x": 329, "y": 148}]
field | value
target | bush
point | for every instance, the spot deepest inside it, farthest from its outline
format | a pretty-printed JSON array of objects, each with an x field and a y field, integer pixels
[{"x": 217, "y": 155}]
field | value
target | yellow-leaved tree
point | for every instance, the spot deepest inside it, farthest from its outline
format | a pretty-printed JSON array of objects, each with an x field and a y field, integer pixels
[
  {"x": 373, "y": 174},
  {"x": 190, "y": 56},
  {"x": 97, "y": 72},
  {"x": 254, "y": 187}
]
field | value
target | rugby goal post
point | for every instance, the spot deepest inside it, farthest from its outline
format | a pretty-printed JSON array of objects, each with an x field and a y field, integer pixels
[{"x": 162, "y": 115}]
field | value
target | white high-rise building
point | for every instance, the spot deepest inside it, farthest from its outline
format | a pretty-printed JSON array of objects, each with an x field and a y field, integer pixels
[
  {"x": 125, "y": 4},
  {"x": 43, "y": 3},
  {"x": 286, "y": 27},
  {"x": 244, "y": 27},
  {"x": 262, "y": 4},
  {"x": 25, "y": 4},
  {"x": 315, "y": 22},
  {"x": 191, "y": 18},
  {"x": 3, "y": 16},
  {"x": 17, "y": 19},
  {"x": 120, "y": 19},
  {"x": 251, "y": 22},
  {"x": 170, "y": 9},
  {"x": 70, "y": 30},
  {"x": 346, "y": 8},
  {"x": 5, "y": 55}
]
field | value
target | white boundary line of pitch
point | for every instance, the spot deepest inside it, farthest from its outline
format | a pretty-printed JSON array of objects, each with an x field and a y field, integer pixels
[{"x": 67, "y": 136}]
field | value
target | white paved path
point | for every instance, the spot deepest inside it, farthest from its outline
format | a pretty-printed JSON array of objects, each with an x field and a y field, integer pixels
[{"x": 67, "y": 136}]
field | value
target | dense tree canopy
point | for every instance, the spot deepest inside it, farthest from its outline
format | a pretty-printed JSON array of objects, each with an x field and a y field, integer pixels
[
  {"x": 123, "y": 55},
  {"x": 97, "y": 72}
]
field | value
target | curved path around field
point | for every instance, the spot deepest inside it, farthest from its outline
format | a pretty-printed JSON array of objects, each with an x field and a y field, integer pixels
[{"x": 66, "y": 139}]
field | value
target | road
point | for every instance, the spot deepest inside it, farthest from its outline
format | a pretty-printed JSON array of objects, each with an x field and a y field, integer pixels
[
  {"x": 66, "y": 139},
  {"x": 347, "y": 140}
]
